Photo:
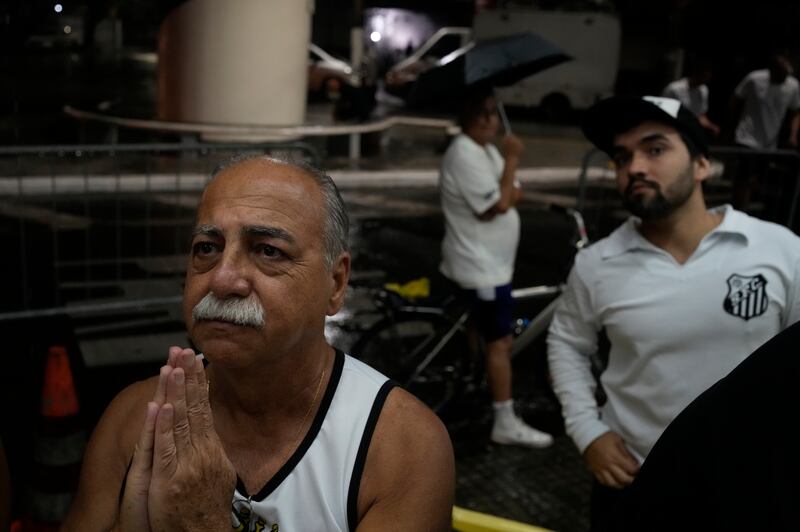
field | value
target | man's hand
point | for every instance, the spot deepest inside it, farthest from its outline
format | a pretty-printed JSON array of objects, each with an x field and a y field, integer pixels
[
  {"x": 610, "y": 462},
  {"x": 133, "y": 510},
  {"x": 192, "y": 480},
  {"x": 516, "y": 195},
  {"x": 511, "y": 146}
]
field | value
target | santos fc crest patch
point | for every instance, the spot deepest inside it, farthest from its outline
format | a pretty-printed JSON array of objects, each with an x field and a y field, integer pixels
[{"x": 747, "y": 296}]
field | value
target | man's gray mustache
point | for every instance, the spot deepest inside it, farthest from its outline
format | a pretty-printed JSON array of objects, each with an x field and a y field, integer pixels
[{"x": 244, "y": 311}]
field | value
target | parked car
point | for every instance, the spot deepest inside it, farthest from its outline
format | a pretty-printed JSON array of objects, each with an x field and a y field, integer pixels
[{"x": 442, "y": 46}]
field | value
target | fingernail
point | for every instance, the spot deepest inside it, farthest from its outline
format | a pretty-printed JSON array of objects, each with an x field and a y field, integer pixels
[{"x": 179, "y": 377}]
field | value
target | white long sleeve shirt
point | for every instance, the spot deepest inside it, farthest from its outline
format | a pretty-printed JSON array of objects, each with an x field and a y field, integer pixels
[{"x": 675, "y": 329}]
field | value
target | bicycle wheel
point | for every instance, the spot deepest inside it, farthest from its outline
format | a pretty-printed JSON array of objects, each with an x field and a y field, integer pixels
[{"x": 396, "y": 346}]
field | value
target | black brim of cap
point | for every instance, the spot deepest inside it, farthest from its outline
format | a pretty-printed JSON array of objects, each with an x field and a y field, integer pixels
[{"x": 608, "y": 118}]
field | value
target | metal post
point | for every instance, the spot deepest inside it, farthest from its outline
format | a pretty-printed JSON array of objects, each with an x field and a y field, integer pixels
[
  {"x": 355, "y": 147},
  {"x": 502, "y": 110}
]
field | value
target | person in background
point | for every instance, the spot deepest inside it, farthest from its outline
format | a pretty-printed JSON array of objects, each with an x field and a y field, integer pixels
[
  {"x": 683, "y": 293},
  {"x": 759, "y": 106},
  {"x": 280, "y": 430},
  {"x": 478, "y": 192},
  {"x": 760, "y": 103},
  {"x": 692, "y": 92}
]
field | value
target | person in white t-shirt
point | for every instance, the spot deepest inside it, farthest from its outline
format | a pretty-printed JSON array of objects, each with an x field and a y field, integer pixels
[
  {"x": 692, "y": 92},
  {"x": 758, "y": 107},
  {"x": 760, "y": 103},
  {"x": 478, "y": 193},
  {"x": 683, "y": 293}
]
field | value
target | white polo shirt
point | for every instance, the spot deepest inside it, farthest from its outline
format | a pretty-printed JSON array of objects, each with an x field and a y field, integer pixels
[
  {"x": 674, "y": 329},
  {"x": 475, "y": 253},
  {"x": 765, "y": 106},
  {"x": 693, "y": 98}
]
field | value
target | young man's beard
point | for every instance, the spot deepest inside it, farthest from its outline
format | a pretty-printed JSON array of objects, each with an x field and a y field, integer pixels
[{"x": 659, "y": 205}]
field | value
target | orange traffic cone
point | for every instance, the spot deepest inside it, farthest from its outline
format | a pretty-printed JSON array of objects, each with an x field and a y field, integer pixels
[{"x": 59, "y": 447}]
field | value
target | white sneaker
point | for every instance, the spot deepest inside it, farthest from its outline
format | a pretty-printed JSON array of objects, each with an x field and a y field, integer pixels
[{"x": 517, "y": 432}]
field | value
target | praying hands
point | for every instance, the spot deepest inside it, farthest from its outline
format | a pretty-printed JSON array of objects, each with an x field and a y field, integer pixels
[{"x": 180, "y": 477}]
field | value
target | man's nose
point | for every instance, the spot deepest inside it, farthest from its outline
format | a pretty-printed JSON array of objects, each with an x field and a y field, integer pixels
[
  {"x": 637, "y": 166},
  {"x": 231, "y": 275}
]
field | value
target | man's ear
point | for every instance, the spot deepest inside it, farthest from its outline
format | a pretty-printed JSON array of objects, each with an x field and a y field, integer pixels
[
  {"x": 340, "y": 275},
  {"x": 702, "y": 168}
]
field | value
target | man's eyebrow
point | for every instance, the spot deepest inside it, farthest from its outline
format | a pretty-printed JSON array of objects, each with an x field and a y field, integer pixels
[
  {"x": 264, "y": 231},
  {"x": 207, "y": 230},
  {"x": 652, "y": 137}
]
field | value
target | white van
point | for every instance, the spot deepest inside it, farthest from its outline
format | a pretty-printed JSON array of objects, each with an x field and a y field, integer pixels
[{"x": 591, "y": 38}]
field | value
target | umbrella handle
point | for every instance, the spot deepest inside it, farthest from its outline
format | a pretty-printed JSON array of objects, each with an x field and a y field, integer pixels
[{"x": 503, "y": 117}]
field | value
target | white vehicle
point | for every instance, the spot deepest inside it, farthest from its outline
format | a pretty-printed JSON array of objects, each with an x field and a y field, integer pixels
[
  {"x": 591, "y": 38},
  {"x": 323, "y": 66}
]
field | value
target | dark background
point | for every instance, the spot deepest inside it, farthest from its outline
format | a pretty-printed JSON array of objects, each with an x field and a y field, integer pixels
[{"x": 36, "y": 81}]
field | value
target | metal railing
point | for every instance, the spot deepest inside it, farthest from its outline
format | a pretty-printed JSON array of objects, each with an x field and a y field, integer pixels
[
  {"x": 764, "y": 183},
  {"x": 761, "y": 182},
  {"x": 99, "y": 229},
  {"x": 258, "y": 132},
  {"x": 94, "y": 229}
]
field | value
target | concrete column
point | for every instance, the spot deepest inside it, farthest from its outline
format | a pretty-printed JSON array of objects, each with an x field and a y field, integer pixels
[{"x": 235, "y": 62}]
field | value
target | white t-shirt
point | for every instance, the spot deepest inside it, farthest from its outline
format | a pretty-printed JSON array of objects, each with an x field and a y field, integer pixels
[
  {"x": 693, "y": 98},
  {"x": 765, "y": 106},
  {"x": 674, "y": 329},
  {"x": 475, "y": 253},
  {"x": 317, "y": 488}
]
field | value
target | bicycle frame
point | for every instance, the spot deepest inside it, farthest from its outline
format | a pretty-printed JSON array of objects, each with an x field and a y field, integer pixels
[
  {"x": 396, "y": 307},
  {"x": 537, "y": 326},
  {"x": 541, "y": 321},
  {"x": 439, "y": 346}
]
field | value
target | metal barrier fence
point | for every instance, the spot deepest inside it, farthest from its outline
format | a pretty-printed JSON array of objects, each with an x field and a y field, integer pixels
[
  {"x": 99, "y": 229},
  {"x": 764, "y": 183},
  {"x": 761, "y": 182}
]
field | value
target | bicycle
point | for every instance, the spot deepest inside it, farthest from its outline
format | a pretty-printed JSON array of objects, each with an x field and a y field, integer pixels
[{"x": 424, "y": 346}]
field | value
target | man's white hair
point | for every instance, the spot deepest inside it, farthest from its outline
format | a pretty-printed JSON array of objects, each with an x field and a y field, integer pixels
[{"x": 337, "y": 224}]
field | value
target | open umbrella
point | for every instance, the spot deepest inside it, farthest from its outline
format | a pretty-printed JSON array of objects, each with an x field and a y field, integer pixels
[{"x": 494, "y": 62}]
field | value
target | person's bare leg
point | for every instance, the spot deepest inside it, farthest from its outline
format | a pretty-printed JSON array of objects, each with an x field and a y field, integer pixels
[
  {"x": 498, "y": 368},
  {"x": 507, "y": 427}
]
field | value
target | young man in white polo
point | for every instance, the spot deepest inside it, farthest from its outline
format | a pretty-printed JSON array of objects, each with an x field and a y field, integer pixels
[{"x": 683, "y": 292}]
